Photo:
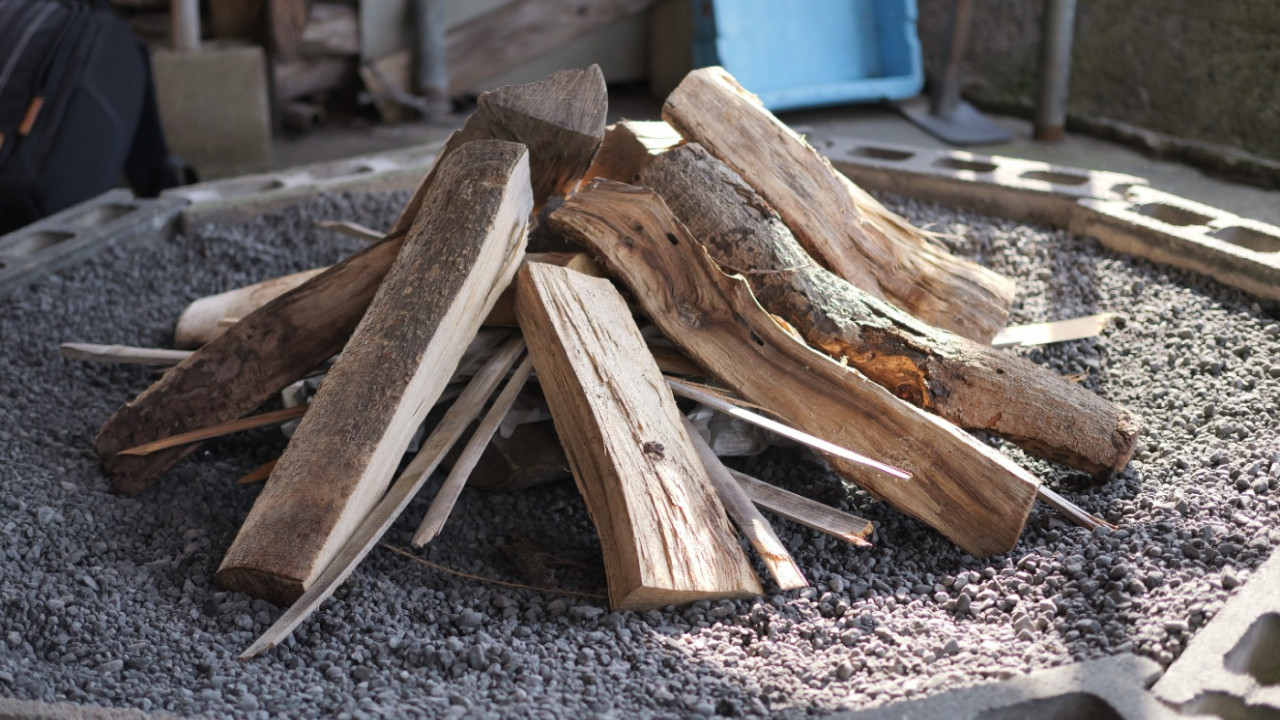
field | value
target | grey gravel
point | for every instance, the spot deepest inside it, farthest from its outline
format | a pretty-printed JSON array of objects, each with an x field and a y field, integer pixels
[{"x": 108, "y": 600}]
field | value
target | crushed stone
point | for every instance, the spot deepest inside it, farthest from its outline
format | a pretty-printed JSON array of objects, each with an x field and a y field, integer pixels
[{"x": 108, "y": 600}]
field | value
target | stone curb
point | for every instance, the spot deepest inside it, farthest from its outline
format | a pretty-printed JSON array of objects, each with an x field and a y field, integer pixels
[
  {"x": 31, "y": 252},
  {"x": 242, "y": 198},
  {"x": 1231, "y": 668},
  {"x": 1168, "y": 229},
  {"x": 1026, "y": 190},
  {"x": 1112, "y": 688}
]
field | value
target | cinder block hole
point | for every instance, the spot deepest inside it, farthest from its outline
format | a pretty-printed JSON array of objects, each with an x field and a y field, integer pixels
[
  {"x": 36, "y": 242},
  {"x": 880, "y": 153},
  {"x": 977, "y": 166},
  {"x": 1060, "y": 707},
  {"x": 249, "y": 187},
  {"x": 1228, "y": 707},
  {"x": 333, "y": 171},
  {"x": 1258, "y": 652},
  {"x": 1057, "y": 178},
  {"x": 1172, "y": 214},
  {"x": 100, "y": 214},
  {"x": 1248, "y": 238}
]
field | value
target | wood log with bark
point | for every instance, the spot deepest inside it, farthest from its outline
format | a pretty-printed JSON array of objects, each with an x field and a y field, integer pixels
[
  {"x": 461, "y": 252},
  {"x": 841, "y": 226},
  {"x": 283, "y": 340},
  {"x": 664, "y": 534},
  {"x": 971, "y": 384},
  {"x": 966, "y": 490}
]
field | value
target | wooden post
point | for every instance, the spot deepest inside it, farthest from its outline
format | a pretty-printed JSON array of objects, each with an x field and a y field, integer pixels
[
  {"x": 665, "y": 536},
  {"x": 277, "y": 344},
  {"x": 839, "y": 224},
  {"x": 966, "y": 490},
  {"x": 971, "y": 384},
  {"x": 461, "y": 252}
]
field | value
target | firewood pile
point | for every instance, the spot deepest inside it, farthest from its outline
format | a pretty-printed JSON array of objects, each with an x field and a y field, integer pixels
[{"x": 714, "y": 256}]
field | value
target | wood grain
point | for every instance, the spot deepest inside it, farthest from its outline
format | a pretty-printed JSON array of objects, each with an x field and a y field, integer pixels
[
  {"x": 971, "y": 384},
  {"x": 521, "y": 30},
  {"x": 840, "y": 225},
  {"x": 664, "y": 534},
  {"x": 461, "y": 252},
  {"x": 627, "y": 148},
  {"x": 277, "y": 344},
  {"x": 966, "y": 490}
]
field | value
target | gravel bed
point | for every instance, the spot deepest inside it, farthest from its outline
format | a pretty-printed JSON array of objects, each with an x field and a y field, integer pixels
[{"x": 108, "y": 600}]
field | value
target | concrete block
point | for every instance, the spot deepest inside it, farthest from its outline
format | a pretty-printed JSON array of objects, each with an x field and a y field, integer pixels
[
  {"x": 11, "y": 709},
  {"x": 1026, "y": 190},
  {"x": 214, "y": 108},
  {"x": 242, "y": 198},
  {"x": 1231, "y": 668},
  {"x": 1109, "y": 689},
  {"x": 1169, "y": 229},
  {"x": 30, "y": 252}
]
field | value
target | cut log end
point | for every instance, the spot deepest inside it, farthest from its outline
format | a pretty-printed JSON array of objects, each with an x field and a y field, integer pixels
[{"x": 251, "y": 581}]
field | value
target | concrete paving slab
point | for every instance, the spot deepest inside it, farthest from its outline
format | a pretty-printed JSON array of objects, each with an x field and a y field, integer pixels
[
  {"x": 1169, "y": 229},
  {"x": 1231, "y": 668},
  {"x": 33, "y": 251},
  {"x": 239, "y": 199},
  {"x": 1016, "y": 188},
  {"x": 1113, "y": 688}
]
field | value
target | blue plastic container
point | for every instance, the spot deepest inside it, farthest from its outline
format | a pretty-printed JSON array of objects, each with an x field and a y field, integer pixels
[{"x": 808, "y": 53}]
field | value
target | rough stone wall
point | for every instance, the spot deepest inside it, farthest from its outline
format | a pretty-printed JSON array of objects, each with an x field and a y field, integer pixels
[{"x": 1197, "y": 69}]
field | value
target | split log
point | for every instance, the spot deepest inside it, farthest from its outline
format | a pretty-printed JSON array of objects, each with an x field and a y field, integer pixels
[
  {"x": 201, "y": 321},
  {"x": 205, "y": 318},
  {"x": 665, "y": 536},
  {"x": 627, "y": 148},
  {"x": 461, "y": 252},
  {"x": 744, "y": 514},
  {"x": 966, "y": 490},
  {"x": 802, "y": 510},
  {"x": 973, "y": 385},
  {"x": 469, "y": 405},
  {"x": 560, "y": 119},
  {"x": 289, "y": 336},
  {"x": 840, "y": 225},
  {"x": 522, "y": 30}
]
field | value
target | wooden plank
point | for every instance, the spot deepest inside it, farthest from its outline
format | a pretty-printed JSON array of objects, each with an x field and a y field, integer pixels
[
  {"x": 628, "y": 147},
  {"x": 971, "y": 384},
  {"x": 461, "y": 252},
  {"x": 966, "y": 490},
  {"x": 841, "y": 226},
  {"x": 802, "y": 510},
  {"x": 468, "y": 407},
  {"x": 297, "y": 331},
  {"x": 521, "y": 30},
  {"x": 744, "y": 514},
  {"x": 665, "y": 537}
]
